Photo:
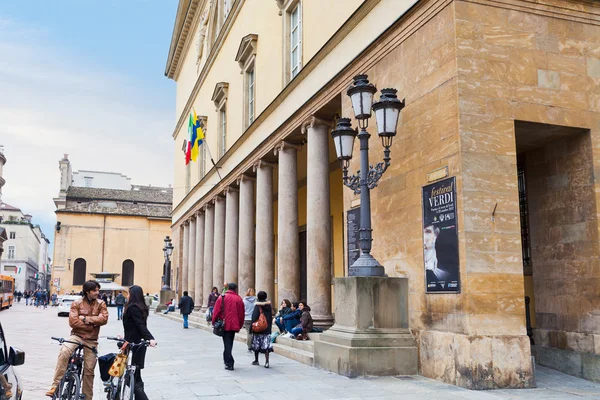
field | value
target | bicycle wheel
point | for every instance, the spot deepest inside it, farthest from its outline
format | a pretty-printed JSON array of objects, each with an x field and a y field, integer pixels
[
  {"x": 128, "y": 383},
  {"x": 69, "y": 388}
]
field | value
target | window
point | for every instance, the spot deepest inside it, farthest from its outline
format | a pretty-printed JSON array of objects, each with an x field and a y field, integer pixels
[
  {"x": 296, "y": 40},
  {"x": 11, "y": 253},
  {"x": 8, "y": 268},
  {"x": 127, "y": 273},
  {"x": 88, "y": 181},
  {"x": 79, "y": 272},
  {"x": 201, "y": 160},
  {"x": 524, "y": 213},
  {"x": 12, "y": 235},
  {"x": 222, "y": 130},
  {"x": 250, "y": 91},
  {"x": 3, "y": 359},
  {"x": 246, "y": 56}
]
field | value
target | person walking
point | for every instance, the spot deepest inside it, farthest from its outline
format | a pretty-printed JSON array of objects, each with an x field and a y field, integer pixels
[
  {"x": 27, "y": 296},
  {"x": 148, "y": 300},
  {"x": 86, "y": 317},
  {"x": 120, "y": 301},
  {"x": 233, "y": 314},
  {"x": 186, "y": 306},
  {"x": 261, "y": 341},
  {"x": 249, "y": 303},
  {"x": 135, "y": 325}
]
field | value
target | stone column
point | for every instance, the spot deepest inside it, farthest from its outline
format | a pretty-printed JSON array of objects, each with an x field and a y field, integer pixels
[
  {"x": 185, "y": 256},
  {"x": 219, "y": 255},
  {"x": 199, "y": 271},
  {"x": 246, "y": 269},
  {"x": 231, "y": 235},
  {"x": 192, "y": 258},
  {"x": 288, "y": 246},
  {"x": 318, "y": 221},
  {"x": 209, "y": 242},
  {"x": 265, "y": 244}
]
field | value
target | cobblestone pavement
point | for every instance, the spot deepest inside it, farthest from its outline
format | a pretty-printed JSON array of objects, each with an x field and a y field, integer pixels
[{"x": 187, "y": 364}]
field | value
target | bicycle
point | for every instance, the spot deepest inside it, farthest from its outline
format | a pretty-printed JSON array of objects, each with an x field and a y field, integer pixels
[
  {"x": 122, "y": 388},
  {"x": 69, "y": 387}
]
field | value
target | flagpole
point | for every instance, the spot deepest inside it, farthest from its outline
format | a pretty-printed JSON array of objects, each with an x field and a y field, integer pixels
[{"x": 211, "y": 158}]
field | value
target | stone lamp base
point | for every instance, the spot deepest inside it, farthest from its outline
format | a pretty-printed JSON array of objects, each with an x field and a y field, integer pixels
[
  {"x": 370, "y": 335},
  {"x": 165, "y": 297}
]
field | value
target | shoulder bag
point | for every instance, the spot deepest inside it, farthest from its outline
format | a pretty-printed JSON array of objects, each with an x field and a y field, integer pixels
[
  {"x": 117, "y": 369},
  {"x": 261, "y": 323},
  {"x": 219, "y": 325}
]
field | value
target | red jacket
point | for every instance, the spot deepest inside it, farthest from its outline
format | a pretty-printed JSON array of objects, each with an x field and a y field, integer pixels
[{"x": 234, "y": 311}]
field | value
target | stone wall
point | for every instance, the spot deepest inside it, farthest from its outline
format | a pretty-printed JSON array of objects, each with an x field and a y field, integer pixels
[{"x": 468, "y": 71}]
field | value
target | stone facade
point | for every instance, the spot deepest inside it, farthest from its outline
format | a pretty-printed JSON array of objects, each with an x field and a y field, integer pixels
[{"x": 487, "y": 84}]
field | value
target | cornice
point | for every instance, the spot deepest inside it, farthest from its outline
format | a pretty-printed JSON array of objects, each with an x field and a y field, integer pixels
[
  {"x": 586, "y": 11},
  {"x": 246, "y": 49},
  {"x": 181, "y": 29}
]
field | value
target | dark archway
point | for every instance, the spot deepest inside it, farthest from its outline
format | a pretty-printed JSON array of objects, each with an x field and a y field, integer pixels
[
  {"x": 79, "y": 271},
  {"x": 127, "y": 273}
]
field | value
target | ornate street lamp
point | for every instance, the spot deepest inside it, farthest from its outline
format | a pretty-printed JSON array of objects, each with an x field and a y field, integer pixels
[
  {"x": 387, "y": 112},
  {"x": 168, "y": 251}
]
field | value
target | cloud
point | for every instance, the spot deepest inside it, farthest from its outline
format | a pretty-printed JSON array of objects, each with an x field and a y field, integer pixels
[{"x": 52, "y": 102}]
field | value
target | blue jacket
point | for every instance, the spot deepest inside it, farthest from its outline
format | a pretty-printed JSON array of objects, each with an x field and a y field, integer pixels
[{"x": 293, "y": 315}]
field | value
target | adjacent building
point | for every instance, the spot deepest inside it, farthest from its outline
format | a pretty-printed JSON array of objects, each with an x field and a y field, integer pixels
[
  {"x": 502, "y": 111},
  {"x": 109, "y": 226}
]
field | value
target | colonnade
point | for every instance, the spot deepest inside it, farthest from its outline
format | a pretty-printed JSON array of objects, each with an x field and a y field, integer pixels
[{"x": 223, "y": 242}]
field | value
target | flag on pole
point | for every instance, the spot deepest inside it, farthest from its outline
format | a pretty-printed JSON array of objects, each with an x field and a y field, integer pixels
[
  {"x": 197, "y": 136},
  {"x": 188, "y": 146}
]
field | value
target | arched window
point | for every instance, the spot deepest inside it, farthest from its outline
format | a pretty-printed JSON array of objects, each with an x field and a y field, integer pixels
[
  {"x": 127, "y": 273},
  {"x": 79, "y": 272}
]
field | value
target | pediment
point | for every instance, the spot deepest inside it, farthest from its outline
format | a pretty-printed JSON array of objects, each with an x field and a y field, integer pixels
[
  {"x": 247, "y": 49},
  {"x": 220, "y": 93}
]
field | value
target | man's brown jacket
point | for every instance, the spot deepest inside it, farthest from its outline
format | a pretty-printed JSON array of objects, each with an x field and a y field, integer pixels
[{"x": 95, "y": 314}]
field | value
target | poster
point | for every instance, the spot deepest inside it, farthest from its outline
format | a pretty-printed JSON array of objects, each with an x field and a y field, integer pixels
[
  {"x": 353, "y": 237},
  {"x": 440, "y": 237}
]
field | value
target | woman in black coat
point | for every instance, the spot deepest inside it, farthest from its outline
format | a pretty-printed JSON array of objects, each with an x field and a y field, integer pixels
[
  {"x": 135, "y": 317},
  {"x": 261, "y": 341}
]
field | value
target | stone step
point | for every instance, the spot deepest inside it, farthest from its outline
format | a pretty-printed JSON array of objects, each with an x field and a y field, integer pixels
[{"x": 297, "y": 350}]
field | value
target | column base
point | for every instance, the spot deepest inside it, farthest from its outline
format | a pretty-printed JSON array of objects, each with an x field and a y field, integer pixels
[
  {"x": 370, "y": 335},
  {"x": 165, "y": 297},
  {"x": 323, "y": 321}
]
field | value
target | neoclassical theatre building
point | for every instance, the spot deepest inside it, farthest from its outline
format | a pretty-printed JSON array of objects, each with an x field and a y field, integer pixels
[{"x": 488, "y": 208}]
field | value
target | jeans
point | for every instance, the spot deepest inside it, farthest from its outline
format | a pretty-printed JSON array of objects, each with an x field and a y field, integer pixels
[
  {"x": 185, "y": 320},
  {"x": 290, "y": 323},
  {"x": 169, "y": 309},
  {"x": 119, "y": 311},
  {"x": 248, "y": 326},
  {"x": 296, "y": 331},
  {"x": 280, "y": 325},
  {"x": 228, "y": 337}
]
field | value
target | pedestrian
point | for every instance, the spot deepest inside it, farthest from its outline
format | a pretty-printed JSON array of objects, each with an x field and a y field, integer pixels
[
  {"x": 249, "y": 303},
  {"x": 54, "y": 299},
  {"x": 261, "y": 340},
  {"x": 148, "y": 300},
  {"x": 86, "y": 317},
  {"x": 233, "y": 315},
  {"x": 120, "y": 302},
  {"x": 135, "y": 325},
  {"x": 105, "y": 298},
  {"x": 45, "y": 299},
  {"x": 306, "y": 322},
  {"x": 186, "y": 306},
  {"x": 212, "y": 299},
  {"x": 27, "y": 297}
]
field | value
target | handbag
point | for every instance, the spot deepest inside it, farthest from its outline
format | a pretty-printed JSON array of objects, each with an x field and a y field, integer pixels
[
  {"x": 219, "y": 325},
  {"x": 117, "y": 369},
  {"x": 261, "y": 323}
]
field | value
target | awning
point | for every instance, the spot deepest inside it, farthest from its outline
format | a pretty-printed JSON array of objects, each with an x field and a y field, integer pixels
[{"x": 111, "y": 286}]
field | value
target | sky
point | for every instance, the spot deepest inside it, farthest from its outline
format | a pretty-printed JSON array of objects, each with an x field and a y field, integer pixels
[{"x": 83, "y": 78}]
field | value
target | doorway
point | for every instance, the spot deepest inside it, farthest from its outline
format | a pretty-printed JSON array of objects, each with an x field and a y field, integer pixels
[{"x": 559, "y": 238}]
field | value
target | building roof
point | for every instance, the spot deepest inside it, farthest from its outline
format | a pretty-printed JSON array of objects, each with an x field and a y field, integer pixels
[
  {"x": 117, "y": 208},
  {"x": 140, "y": 194},
  {"x": 8, "y": 207}
]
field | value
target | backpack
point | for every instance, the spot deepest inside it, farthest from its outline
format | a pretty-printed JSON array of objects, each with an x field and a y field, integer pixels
[{"x": 261, "y": 323}]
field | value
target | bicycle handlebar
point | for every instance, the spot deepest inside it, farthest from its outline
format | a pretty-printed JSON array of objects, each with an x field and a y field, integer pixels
[{"x": 63, "y": 340}]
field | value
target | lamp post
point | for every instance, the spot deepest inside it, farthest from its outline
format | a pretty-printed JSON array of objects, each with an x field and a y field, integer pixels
[
  {"x": 387, "y": 112},
  {"x": 168, "y": 251}
]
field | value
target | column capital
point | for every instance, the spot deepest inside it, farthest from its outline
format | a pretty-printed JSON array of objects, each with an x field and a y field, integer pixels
[
  {"x": 313, "y": 121},
  {"x": 230, "y": 189},
  {"x": 206, "y": 205},
  {"x": 286, "y": 145},
  {"x": 262, "y": 163},
  {"x": 198, "y": 212},
  {"x": 244, "y": 178},
  {"x": 186, "y": 222}
]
